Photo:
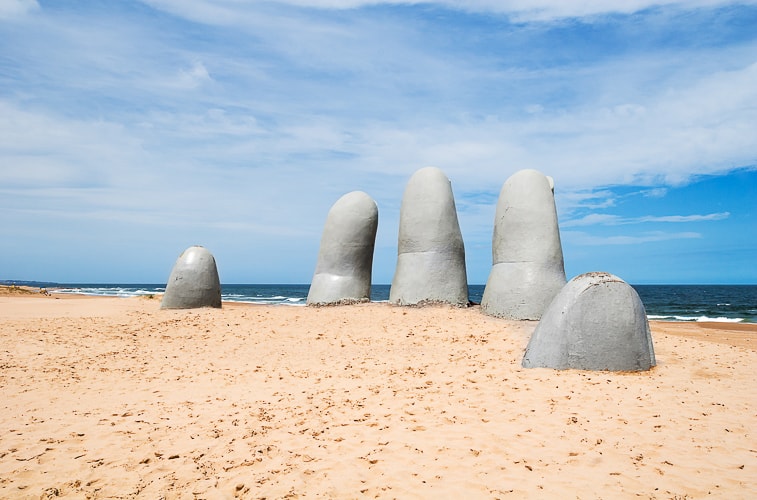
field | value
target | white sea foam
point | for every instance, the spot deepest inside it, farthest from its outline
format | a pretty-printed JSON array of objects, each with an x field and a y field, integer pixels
[
  {"x": 277, "y": 300},
  {"x": 107, "y": 291},
  {"x": 720, "y": 319}
]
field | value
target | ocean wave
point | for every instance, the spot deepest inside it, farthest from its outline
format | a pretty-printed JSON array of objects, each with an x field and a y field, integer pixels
[
  {"x": 698, "y": 319},
  {"x": 285, "y": 301},
  {"x": 256, "y": 298},
  {"x": 108, "y": 291}
]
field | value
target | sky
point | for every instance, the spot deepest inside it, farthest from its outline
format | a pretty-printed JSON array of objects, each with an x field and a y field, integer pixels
[{"x": 131, "y": 130}]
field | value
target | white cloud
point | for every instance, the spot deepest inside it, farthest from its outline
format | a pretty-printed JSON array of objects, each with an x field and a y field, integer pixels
[
  {"x": 568, "y": 201},
  {"x": 682, "y": 218},
  {"x": 616, "y": 220},
  {"x": 43, "y": 150},
  {"x": 592, "y": 220},
  {"x": 659, "y": 192},
  {"x": 234, "y": 11},
  {"x": 367, "y": 114},
  {"x": 193, "y": 77},
  {"x": 701, "y": 126},
  {"x": 15, "y": 8},
  {"x": 368, "y": 76},
  {"x": 584, "y": 239},
  {"x": 548, "y": 10}
]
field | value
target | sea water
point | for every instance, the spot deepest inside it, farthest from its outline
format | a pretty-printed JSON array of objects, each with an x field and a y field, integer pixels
[{"x": 725, "y": 303}]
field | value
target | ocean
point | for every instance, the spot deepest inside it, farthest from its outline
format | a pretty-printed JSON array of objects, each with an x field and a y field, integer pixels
[{"x": 723, "y": 303}]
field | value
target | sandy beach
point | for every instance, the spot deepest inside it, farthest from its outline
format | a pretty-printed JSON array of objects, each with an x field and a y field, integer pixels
[{"x": 115, "y": 398}]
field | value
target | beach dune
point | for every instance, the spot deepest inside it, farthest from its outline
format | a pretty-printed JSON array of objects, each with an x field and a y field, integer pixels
[{"x": 108, "y": 397}]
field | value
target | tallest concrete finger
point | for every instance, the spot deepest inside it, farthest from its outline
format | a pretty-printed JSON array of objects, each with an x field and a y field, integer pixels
[{"x": 430, "y": 253}]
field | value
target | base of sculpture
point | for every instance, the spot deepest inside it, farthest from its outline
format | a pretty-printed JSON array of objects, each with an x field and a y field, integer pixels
[
  {"x": 328, "y": 289},
  {"x": 427, "y": 278},
  {"x": 531, "y": 286}
]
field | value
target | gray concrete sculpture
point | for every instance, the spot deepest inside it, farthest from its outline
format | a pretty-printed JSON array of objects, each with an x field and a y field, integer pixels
[
  {"x": 527, "y": 261},
  {"x": 345, "y": 259},
  {"x": 596, "y": 322},
  {"x": 193, "y": 281},
  {"x": 430, "y": 254}
]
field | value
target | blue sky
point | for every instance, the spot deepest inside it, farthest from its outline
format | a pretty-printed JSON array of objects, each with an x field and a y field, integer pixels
[{"x": 130, "y": 130}]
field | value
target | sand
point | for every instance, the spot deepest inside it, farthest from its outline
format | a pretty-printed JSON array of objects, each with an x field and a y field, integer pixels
[{"x": 115, "y": 398}]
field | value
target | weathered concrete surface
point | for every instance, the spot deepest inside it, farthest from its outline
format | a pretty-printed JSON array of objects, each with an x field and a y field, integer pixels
[
  {"x": 193, "y": 281},
  {"x": 430, "y": 253},
  {"x": 596, "y": 322},
  {"x": 527, "y": 262},
  {"x": 345, "y": 259}
]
